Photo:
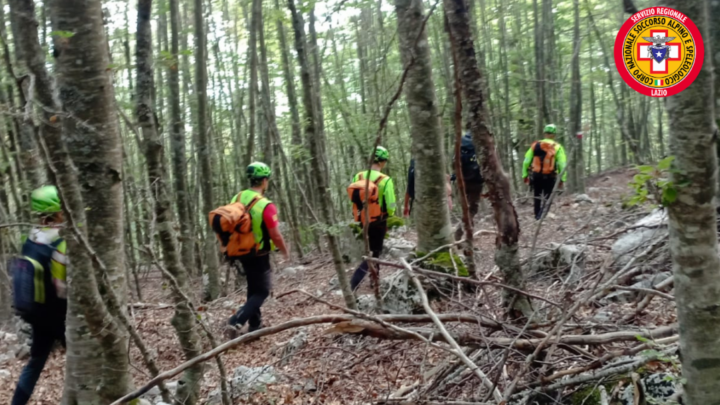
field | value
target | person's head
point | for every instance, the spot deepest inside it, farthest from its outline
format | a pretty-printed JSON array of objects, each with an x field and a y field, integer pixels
[
  {"x": 381, "y": 156},
  {"x": 259, "y": 174},
  {"x": 45, "y": 201},
  {"x": 550, "y": 131}
]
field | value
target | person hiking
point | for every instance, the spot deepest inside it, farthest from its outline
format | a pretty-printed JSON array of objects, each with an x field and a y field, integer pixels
[
  {"x": 41, "y": 302},
  {"x": 473, "y": 179},
  {"x": 410, "y": 192},
  {"x": 547, "y": 158},
  {"x": 380, "y": 207},
  {"x": 256, "y": 263}
]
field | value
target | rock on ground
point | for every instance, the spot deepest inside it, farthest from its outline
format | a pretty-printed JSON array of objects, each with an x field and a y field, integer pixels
[
  {"x": 560, "y": 257},
  {"x": 658, "y": 389},
  {"x": 583, "y": 198},
  {"x": 651, "y": 228}
]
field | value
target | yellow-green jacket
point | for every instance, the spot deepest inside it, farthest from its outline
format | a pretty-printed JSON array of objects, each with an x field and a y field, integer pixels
[{"x": 560, "y": 159}]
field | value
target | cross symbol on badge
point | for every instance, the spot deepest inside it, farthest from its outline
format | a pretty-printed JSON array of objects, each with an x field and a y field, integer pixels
[{"x": 658, "y": 67}]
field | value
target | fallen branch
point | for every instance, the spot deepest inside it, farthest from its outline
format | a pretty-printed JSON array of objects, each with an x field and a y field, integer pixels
[
  {"x": 646, "y": 290},
  {"x": 599, "y": 374},
  {"x": 458, "y": 351}
]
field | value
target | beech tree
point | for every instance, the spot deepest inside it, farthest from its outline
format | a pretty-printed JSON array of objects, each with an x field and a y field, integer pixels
[
  {"x": 506, "y": 220},
  {"x": 693, "y": 231},
  {"x": 431, "y": 207}
]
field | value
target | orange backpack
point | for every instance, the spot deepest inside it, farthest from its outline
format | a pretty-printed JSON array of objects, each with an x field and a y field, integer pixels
[
  {"x": 356, "y": 192},
  {"x": 543, "y": 157},
  {"x": 233, "y": 227}
]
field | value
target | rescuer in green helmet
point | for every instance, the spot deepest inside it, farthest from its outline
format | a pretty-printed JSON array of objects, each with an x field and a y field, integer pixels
[{"x": 547, "y": 158}]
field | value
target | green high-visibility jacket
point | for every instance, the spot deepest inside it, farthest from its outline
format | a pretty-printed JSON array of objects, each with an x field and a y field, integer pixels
[
  {"x": 560, "y": 159},
  {"x": 386, "y": 191},
  {"x": 262, "y": 235}
]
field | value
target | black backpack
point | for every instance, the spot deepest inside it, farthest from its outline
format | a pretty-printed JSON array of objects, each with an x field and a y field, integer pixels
[
  {"x": 468, "y": 161},
  {"x": 34, "y": 295}
]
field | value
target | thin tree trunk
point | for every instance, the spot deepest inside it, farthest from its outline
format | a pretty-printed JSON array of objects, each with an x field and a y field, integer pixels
[
  {"x": 204, "y": 153},
  {"x": 183, "y": 321},
  {"x": 506, "y": 254},
  {"x": 310, "y": 133},
  {"x": 177, "y": 140},
  {"x": 433, "y": 217},
  {"x": 693, "y": 230},
  {"x": 256, "y": 12},
  {"x": 577, "y": 173}
]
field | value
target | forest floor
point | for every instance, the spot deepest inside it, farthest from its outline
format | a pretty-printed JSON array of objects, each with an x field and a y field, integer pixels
[{"x": 336, "y": 368}]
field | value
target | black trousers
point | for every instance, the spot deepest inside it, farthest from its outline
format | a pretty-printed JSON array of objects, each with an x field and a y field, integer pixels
[
  {"x": 473, "y": 191},
  {"x": 376, "y": 237},
  {"x": 43, "y": 339},
  {"x": 259, "y": 282},
  {"x": 542, "y": 188}
]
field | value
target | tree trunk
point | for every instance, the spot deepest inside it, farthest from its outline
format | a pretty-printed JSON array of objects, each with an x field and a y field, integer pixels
[
  {"x": 212, "y": 287},
  {"x": 508, "y": 228},
  {"x": 693, "y": 231},
  {"x": 99, "y": 371},
  {"x": 433, "y": 217},
  {"x": 311, "y": 135},
  {"x": 268, "y": 107},
  {"x": 183, "y": 321},
  {"x": 577, "y": 165},
  {"x": 252, "y": 101},
  {"x": 177, "y": 140}
]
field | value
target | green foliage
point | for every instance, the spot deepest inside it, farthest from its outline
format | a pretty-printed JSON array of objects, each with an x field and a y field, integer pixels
[
  {"x": 443, "y": 262},
  {"x": 586, "y": 396},
  {"x": 654, "y": 182},
  {"x": 62, "y": 34}
]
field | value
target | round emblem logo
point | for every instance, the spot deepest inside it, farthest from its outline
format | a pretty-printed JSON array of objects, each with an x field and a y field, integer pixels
[{"x": 659, "y": 52}]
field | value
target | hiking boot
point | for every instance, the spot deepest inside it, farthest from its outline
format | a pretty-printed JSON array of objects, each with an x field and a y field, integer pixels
[
  {"x": 231, "y": 331},
  {"x": 254, "y": 328}
]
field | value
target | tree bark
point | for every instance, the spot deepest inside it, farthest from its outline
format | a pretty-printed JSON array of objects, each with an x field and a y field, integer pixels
[
  {"x": 577, "y": 172},
  {"x": 177, "y": 140},
  {"x": 312, "y": 136},
  {"x": 693, "y": 231},
  {"x": 433, "y": 216},
  {"x": 508, "y": 228},
  {"x": 183, "y": 321},
  {"x": 97, "y": 372},
  {"x": 204, "y": 151},
  {"x": 256, "y": 12}
]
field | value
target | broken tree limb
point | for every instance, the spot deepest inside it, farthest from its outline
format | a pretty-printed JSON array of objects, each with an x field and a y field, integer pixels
[
  {"x": 458, "y": 351},
  {"x": 598, "y": 374}
]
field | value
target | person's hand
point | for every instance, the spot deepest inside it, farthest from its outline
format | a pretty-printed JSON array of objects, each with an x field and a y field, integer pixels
[
  {"x": 406, "y": 212},
  {"x": 561, "y": 185},
  {"x": 526, "y": 180}
]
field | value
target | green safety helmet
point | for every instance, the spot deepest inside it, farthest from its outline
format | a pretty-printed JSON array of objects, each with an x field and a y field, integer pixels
[
  {"x": 550, "y": 129},
  {"x": 45, "y": 200},
  {"x": 381, "y": 154},
  {"x": 258, "y": 170}
]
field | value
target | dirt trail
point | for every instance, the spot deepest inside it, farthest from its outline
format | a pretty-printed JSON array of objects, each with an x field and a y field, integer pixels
[{"x": 344, "y": 369}]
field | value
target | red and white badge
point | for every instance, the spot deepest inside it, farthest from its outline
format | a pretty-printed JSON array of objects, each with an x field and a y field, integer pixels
[{"x": 659, "y": 52}]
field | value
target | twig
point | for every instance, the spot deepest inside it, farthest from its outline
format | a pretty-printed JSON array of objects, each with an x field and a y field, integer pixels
[
  {"x": 646, "y": 290},
  {"x": 457, "y": 350}
]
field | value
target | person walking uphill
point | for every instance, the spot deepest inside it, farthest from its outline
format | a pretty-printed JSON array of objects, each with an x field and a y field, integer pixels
[
  {"x": 548, "y": 159},
  {"x": 248, "y": 230},
  {"x": 39, "y": 287},
  {"x": 472, "y": 177},
  {"x": 380, "y": 205}
]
